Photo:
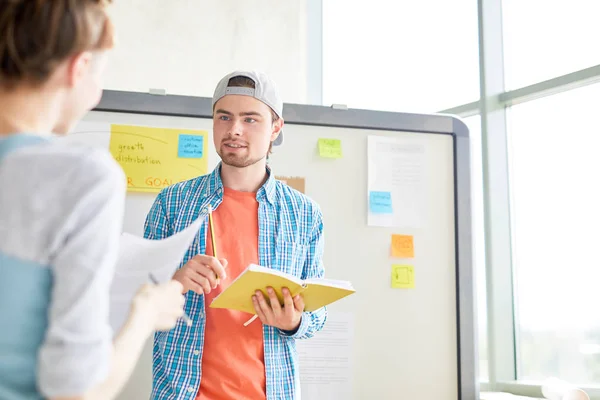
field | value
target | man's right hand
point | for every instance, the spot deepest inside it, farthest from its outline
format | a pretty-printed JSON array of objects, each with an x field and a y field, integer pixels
[{"x": 200, "y": 274}]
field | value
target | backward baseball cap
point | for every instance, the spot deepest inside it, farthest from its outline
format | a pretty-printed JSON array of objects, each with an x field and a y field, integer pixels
[{"x": 265, "y": 90}]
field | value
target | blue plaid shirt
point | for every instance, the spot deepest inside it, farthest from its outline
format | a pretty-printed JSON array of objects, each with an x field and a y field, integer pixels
[{"x": 290, "y": 239}]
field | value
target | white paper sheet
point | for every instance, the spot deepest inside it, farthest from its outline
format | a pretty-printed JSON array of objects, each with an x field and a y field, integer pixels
[
  {"x": 396, "y": 166},
  {"x": 326, "y": 360},
  {"x": 138, "y": 257}
]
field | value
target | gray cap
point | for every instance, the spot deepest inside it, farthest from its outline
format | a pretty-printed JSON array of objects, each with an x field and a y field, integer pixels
[{"x": 265, "y": 90}]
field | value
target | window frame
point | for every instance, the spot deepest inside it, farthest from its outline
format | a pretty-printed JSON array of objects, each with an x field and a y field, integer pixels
[{"x": 492, "y": 106}]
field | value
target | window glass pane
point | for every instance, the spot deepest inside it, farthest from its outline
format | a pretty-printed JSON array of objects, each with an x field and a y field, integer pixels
[
  {"x": 554, "y": 167},
  {"x": 418, "y": 56},
  {"x": 544, "y": 39},
  {"x": 474, "y": 124}
]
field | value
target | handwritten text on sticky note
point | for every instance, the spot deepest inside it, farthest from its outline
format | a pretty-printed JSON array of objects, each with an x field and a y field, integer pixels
[
  {"x": 149, "y": 156},
  {"x": 403, "y": 277},
  {"x": 380, "y": 202},
  {"x": 330, "y": 148},
  {"x": 190, "y": 146},
  {"x": 403, "y": 246}
]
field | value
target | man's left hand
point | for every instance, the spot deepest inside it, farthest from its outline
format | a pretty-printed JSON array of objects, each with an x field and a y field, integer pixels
[{"x": 286, "y": 318}]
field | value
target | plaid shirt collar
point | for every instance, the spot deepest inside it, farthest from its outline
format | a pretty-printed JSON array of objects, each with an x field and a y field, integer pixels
[{"x": 266, "y": 191}]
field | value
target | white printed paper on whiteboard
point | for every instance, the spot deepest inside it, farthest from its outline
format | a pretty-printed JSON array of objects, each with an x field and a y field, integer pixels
[
  {"x": 326, "y": 360},
  {"x": 396, "y": 187}
]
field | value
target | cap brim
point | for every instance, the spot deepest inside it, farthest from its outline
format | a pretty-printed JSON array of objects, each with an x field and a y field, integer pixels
[{"x": 279, "y": 140}]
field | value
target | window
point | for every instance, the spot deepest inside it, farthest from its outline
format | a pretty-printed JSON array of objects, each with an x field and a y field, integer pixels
[
  {"x": 474, "y": 124},
  {"x": 418, "y": 56},
  {"x": 544, "y": 39},
  {"x": 554, "y": 154}
]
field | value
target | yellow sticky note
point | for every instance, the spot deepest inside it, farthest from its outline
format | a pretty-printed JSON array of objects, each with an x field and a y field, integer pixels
[
  {"x": 330, "y": 148},
  {"x": 403, "y": 277},
  {"x": 403, "y": 246},
  {"x": 154, "y": 158}
]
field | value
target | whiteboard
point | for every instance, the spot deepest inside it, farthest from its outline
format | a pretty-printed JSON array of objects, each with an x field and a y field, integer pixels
[{"x": 406, "y": 344}]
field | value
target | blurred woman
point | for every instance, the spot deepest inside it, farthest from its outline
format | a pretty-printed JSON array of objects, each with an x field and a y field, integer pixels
[{"x": 61, "y": 213}]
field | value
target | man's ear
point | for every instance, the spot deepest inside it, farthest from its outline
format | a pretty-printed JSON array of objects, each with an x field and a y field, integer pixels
[
  {"x": 277, "y": 127},
  {"x": 78, "y": 66}
]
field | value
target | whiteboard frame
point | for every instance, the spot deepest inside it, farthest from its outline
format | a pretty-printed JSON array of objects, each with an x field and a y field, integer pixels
[{"x": 311, "y": 115}]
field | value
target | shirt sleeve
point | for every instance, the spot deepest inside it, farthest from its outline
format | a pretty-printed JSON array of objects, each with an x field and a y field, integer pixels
[
  {"x": 312, "y": 322},
  {"x": 76, "y": 353},
  {"x": 157, "y": 226}
]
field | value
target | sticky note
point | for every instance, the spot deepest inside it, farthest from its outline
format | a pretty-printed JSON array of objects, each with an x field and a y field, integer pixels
[
  {"x": 330, "y": 148},
  {"x": 148, "y": 156},
  {"x": 380, "y": 202},
  {"x": 403, "y": 277},
  {"x": 403, "y": 246},
  {"x": 190, "y": 146}
]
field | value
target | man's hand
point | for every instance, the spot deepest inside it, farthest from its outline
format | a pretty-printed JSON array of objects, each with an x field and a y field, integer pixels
[
  {"x": 200, "y": 274},
  {"x": 286, "y": 318}
]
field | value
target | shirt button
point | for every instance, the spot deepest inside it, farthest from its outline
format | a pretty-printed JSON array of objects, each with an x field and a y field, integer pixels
[
  {"x": 201, "y": 315},
  {"x": 190, "y": 389},
  {"x": 196, "y": 352}
]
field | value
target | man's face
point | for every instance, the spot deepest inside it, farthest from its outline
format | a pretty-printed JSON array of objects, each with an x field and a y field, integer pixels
[{"x": 243, "y": 129}]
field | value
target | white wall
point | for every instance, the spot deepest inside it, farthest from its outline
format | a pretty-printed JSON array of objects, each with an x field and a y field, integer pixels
[{"x": 186, "y": 46}]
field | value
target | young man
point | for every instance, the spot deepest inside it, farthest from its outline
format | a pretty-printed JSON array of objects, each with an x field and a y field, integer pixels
[{"x": 257, "y": 219}]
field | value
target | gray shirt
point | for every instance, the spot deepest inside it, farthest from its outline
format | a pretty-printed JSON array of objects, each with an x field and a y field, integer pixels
[{"x": 61, "y": 208}]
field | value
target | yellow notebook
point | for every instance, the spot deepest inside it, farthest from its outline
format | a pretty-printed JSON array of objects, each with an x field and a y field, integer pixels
[{"x": 316, "y": 292}]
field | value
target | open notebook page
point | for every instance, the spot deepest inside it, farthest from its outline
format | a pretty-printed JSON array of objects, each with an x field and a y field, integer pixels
[
  {"x": 330, "y": 282},
  {"x": 258, "y": 268}
]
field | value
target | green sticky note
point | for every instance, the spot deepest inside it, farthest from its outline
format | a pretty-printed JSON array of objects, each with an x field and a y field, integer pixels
[
  {"x": 330, "y": 148},
  {"x": 403, "y": 277}
]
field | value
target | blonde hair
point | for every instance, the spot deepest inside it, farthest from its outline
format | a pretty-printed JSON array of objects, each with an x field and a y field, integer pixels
[{"x": 37, "y": 35}]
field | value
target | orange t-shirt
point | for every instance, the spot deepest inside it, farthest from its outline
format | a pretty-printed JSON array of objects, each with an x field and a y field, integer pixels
[{"x": 233, "y": 358}]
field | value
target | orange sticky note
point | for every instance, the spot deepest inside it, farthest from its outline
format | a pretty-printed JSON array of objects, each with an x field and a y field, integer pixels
[{"x": 403, "y": 246}]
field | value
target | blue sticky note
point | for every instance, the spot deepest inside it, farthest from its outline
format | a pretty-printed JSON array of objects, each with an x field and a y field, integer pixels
[
  {"x": 380, "y": 202},
  {"x": 190, "y": 146}
]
